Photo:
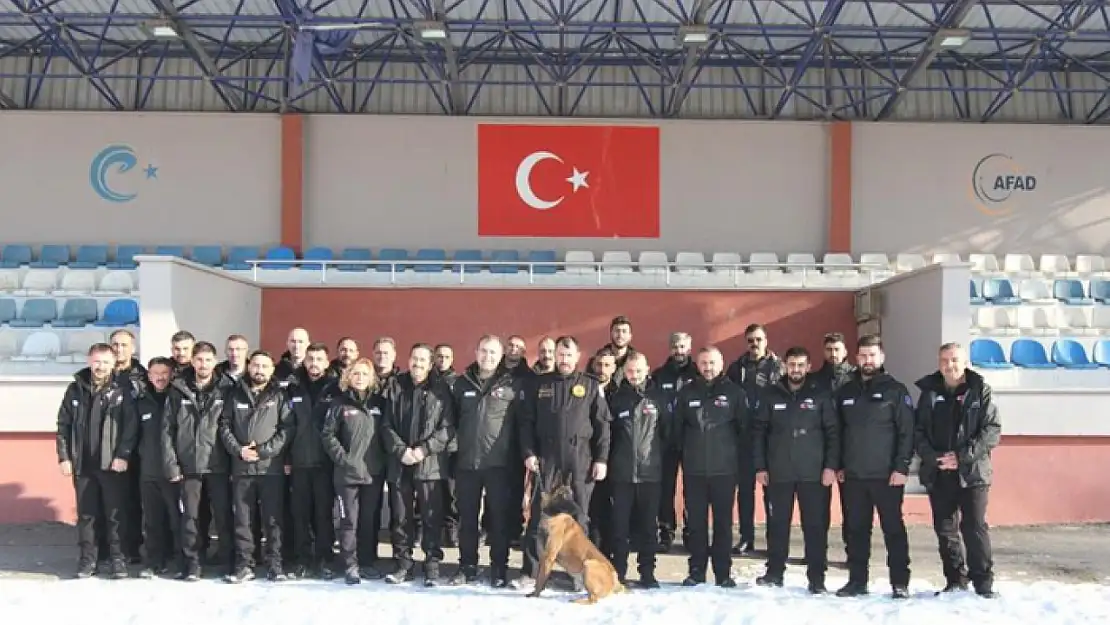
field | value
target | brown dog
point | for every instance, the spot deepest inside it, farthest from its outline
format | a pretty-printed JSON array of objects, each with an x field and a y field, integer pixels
[{"x": 563, "y": 541}]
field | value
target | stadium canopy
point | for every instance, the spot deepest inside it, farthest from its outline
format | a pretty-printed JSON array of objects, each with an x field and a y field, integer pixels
[{"x": 870, "y": 59}]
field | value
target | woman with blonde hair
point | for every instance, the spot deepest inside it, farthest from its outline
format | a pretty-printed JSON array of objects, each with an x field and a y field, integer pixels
[{"x": 352, "y": 437}]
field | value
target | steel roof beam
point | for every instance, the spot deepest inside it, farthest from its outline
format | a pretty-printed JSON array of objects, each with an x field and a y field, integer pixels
[
  {"x": 686, "y": 76},
  {"x": 197, "y": 51},
  {"x": 817, "y": 38},
  {"x": 456, "y": 95},
  {"x": 6, "y": 101}
]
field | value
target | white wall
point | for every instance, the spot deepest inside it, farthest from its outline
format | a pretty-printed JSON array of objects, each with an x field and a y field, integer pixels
[
  {"x": 217, "y": 180},
  {"x": 914, "y": 188},
  {"x": 181, "y": 295},
  {"x": 31, "y": 402}
]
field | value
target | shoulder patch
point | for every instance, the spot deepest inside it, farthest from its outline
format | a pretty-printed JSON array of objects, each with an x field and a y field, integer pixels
[{"x": 909, "y": 401}]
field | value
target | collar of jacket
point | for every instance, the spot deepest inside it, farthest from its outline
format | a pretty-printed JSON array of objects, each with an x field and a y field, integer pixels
[
  {"x": 783, "y": 385},
  {"x": 85, "y": 381},
  {"x": 474, "y": 373},
  {"x": 702, "y": 382},
  {"x": 935, "y": 381}
]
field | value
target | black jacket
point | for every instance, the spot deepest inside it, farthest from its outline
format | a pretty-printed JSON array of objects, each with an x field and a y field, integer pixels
[
  {"x": 101, "y": 418},
  {"x": 133, "y": 378},
  {"x": 753, "y": 374},
  {"x": 978, "y": 431},
  {"x": 286, "y": 370},
  {"x": 796, "y": 434},
  {"x": 190, "y": 427},
  {"x": 309, "y": 400},
  {"x": 263, "y": 418},
  {"x": 832, "y": 377},
  {"x": 447, "y": 377},
  {"x": 877, "y": 430},
  {"x": 671, "y": 378},
  {"x": 641, "y": 430},
  {"x": 486, "y": 419},
  {"x": 419, "y": 415},
  {"x": 713, "y": 422},
  {"x": 354, "y": 437},
  {"x": 565, "y": 422},
  {"x": 150, "y": 405},
  {"x": 223, "y": 369}
]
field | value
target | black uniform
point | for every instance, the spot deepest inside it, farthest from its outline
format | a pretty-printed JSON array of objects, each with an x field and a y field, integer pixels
[
  {"x": 713, "y": 422},
  {"x": 485, "y": 434},
  {"x": 796, "y": 437},
  {"x": 752, "y": 375},
  {"x": 450, "y": 496},
  {"x": 832, "y": 377},
  {"x": 421, "y": 415},
  {"x": 97, "y": 425},
  {"x": 877, "y": 431},
  {"x": 564, "y": 423},
  {"x": 132, "y": 379},
  {"x": 601, "y": 499},
  {"x": 312, "y": 493},
  {"x": 641, "y": 433},
  {"x": 194, "y": 455},
  {"x": 670, "y": 378},
  {"x": 963, "y": 420},
  {"x": 263, "y": 418},
  {"x": 514, "y": 526},
  {"x": 161, "y": 498},
  {"x": 353, "y": 437}
]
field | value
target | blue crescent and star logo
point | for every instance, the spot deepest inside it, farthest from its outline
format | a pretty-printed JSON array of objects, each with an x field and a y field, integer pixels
[{"x": 118, "y": 159}]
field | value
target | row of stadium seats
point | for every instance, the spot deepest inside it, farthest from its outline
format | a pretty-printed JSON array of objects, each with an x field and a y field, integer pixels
[
  {"x": 76, "y": 312},
  {"x": 1001, "y": 291},
  {"x": 64, "y": 281},
  {"x": 1031, "y": 354},
  {"x": 17, "y": 348},
  {"x": 1023, "y": 265},
  {"x": 1032, "y": 320}
]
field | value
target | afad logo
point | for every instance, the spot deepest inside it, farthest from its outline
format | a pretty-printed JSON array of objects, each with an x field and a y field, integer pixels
[
  {"x": 998, "y": 183},
  {"x": 111, "y": 176}
]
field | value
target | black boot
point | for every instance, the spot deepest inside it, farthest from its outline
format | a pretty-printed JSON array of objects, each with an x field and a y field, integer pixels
[
  {"x": 852, "y": 589},
  {"x": 352, "y": 577},
  {"x": 769, "y": 579},
  {"x": 431, "y": 574},
  {"x": 466, "y": 575},
  {"x": 499, "y": 576},
  {"x": 954, "y": 585},
  {"x": 404, "y": 573}
]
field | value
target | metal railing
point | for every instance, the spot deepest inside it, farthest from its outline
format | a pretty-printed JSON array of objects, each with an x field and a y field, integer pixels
[{"x": 741, "y": 273}]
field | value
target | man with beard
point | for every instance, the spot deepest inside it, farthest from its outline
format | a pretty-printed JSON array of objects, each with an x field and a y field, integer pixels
[
  {"x": 676, "y": 373},
  {"x": 296, "y": 346},
  {"x": 833, "y": 374},
  {"x": 620, "y": 345},
  {"x": 312, "y": 493},
  {"x": 877, "y": 425},
  {"x": 181, "y": 350},
  {"x": 420, "y": 429},
  {"x": 235, "y": 350},
  {"x": 194, "y": 456},
  {"x": 711, "y": 419},
  {"x": 486, "y": 398},
  {"x": 384, "y": 356},
  {"x": 796, "y": 437},
  {"x": 516, "y": 352},
  {"x": 346, "y": 353},
  {"x": 132, "y": 377},
  {"x": 443, "y": 361},
  {"x": 97, "y": 431},
  {"x": 957, "y": 428},
  {"x": 254, "y": 429},
  {"x": 564, "y": 430},
  {"x": 159, "y": 496},
  {"x": 603, "y": 366},
  {"x": 545, "y": 356}
]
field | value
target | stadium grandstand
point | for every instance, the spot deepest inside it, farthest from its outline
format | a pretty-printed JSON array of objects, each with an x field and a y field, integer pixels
[{"x": 434, "y": 170}]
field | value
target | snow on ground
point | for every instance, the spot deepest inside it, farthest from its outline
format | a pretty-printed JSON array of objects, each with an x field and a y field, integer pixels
[{"x": 167, "y": 602}]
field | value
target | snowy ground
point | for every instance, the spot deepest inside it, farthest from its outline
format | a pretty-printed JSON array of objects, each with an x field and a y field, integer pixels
[{"x": 211, "y": 602}]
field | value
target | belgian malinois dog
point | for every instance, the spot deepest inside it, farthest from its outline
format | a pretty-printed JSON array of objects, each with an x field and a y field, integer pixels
[{"x": 563, "y": 541}]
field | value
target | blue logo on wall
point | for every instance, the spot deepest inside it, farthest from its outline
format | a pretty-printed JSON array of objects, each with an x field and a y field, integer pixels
[{"x": 120, "y": 158}]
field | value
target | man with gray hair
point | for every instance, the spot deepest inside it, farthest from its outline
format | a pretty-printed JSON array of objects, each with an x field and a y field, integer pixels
[{"x": 676, "y": 373}]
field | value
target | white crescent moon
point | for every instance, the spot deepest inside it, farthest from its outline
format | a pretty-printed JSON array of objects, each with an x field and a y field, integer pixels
[{"x": 524, "y": 184}]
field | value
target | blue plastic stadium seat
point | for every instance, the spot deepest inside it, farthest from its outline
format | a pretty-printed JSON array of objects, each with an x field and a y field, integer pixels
[
  {"x": 119, "y": 312},
  {"x": 210, "y": 255},
  {"x": 1030, "y": 354},
  {"x": 317, "y": 253},
  {"x": 15, "y": 255},
  {"x": 472, "y": 259},
  {"x": 976, "y": 299},
  {"x": 393, "y": 254},
  {"x": 1070, "y": 292},
  {"x": 429, "y": 254},
  {"x": 90, "y": 257},
  {"x": 170, "y": 250},
  {"x": 280, "y": 253},
  {"x": 1100, "y": 291},
  {"x": 52, "y": 257},
  {"x": 1069, "y": 354},
  {"x": 504, "y": 256},
  {"x": 238, "y": 256},
  {"x": 1000, "y": 291},
  {"x": 76, "y": 313},
  {"x": 988, "y": 354},
  {"x": 36, "y": 313},
  {"x": 7, "y": 309},
  {"x": 1101, "y": 351},
  {"x": 355, "y": 253},
  {"x": 538, "y": 257},
  {"x": 125, "y": 257}
]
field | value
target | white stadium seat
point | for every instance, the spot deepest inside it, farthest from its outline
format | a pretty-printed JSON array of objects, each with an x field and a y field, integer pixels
[
  {"x": 1018, "y": 265},
  {"x": 800, "y": 262},
  {"x": 78, "y": 282},
  {"x": 997, "y": 320},
  {"x": 725, "y": 262},
  {"x": 116, "y": 282},
  {"x": 983, "y": 263},
  {"x": 839, "y": 265},
  {"x": 908, "y": 262},
  {"x": 1054, "y": 264},
  {"x": 945, "y": 257},
  {"x": 1088, "y": 264},
  {"x": 40, "y": 347},
  {"x": 1034, "y": 291},
  {"x": 1037, "y": 320},
  {"x": 690, "y": 263},
  {"x": 580, "y": 262},
  {"x": 1101, "y": 319},
  {"x": 1079, "y": 320},
  {"x": 77, "y": 345},
  {"x": 9, "y": 345},
  {"x": 875, "y": 267},
  {"x": 39, "y": 282},
  {"x": 9, "y": 280},
  {"x": 653, "y": 262},
  {"x": 770, "y": 264},
  {"x": 616, "y": 262}
]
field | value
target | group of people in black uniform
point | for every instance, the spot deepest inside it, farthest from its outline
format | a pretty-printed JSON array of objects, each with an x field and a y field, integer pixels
[{"x": 282, "y": 458}]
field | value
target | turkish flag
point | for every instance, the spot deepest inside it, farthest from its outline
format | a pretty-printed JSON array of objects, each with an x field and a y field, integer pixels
[{"x": 568, "y": 181}]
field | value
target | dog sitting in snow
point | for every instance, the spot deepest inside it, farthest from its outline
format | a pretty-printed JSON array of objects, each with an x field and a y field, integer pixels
[{"x": 563, "y": 541}]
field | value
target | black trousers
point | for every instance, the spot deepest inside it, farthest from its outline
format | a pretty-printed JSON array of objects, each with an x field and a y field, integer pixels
[
  {"x": 161, "y": 502},
  {"x": 133, "y": 511},
  {"x": 267, "y": 494},
  {"x": 702, "y": 493},
  {"x": 219, "y": 496},
  {"x": 581, "y": 490},
  {"x": 514, "y": 524},
  {"x": 404, "y": 496},
  {"x": 450, "y": 499},
  {"x": 864, "y": 498},
  {"x": 745, "y": 503},
  {"x": 668, "y": 523},
  {"x": 843, "y": 515},
  {"x": 813, "y": 503},
  {"x": 601, "y": 515},
  {"x": 962, "y": 511},
  {"x": 100, "y": 495},
  {"x": 492, "y": 487},
  {"x": 311, "y": 502},
  {"x": 359, "y": 519},
  {"x": 635, "y": 514}
]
